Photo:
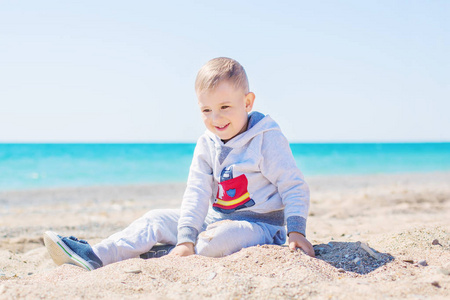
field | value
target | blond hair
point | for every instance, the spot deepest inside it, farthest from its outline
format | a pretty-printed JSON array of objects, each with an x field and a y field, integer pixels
[{"x": 218, "y": 70}]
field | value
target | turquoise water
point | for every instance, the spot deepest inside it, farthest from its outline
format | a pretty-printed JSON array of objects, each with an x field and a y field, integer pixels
[{"x": 25, "y": 166}]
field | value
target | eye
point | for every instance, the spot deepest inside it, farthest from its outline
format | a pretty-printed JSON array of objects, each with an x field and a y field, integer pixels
[
  {"x": 206, "y": 110},
  {"x": 224, "y": 106}
]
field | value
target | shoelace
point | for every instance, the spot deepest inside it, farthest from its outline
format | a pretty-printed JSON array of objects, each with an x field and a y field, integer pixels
[{"x": 77, "y": 240}]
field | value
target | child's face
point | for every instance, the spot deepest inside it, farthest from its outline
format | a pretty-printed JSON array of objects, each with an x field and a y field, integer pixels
[{"x": 225, "y": 110}]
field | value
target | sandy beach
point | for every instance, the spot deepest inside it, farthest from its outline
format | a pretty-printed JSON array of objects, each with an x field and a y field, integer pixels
[{"x": 377, "y": 236}]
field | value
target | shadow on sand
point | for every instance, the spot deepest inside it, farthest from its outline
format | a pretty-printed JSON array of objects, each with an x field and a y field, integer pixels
[{"x": 355, "y": 257}]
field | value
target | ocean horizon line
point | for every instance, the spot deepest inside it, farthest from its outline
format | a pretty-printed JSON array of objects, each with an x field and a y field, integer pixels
[{"x": 194, "y": 142}]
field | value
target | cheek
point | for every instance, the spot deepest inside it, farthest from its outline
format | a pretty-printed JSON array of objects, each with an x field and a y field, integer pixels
[{"x": 205, "y": 119}]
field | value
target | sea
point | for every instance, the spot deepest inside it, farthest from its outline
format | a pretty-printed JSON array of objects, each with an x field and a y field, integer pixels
[{"x": 35, "y": 166}]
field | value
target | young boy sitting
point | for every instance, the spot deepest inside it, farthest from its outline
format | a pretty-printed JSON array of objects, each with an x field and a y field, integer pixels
[{"x": 243, "y": 186}]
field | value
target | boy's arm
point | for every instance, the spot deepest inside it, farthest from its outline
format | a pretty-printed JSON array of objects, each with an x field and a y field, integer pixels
[
  {"x": 280, "y": 168},
  {"x": 196, "y": 199}
]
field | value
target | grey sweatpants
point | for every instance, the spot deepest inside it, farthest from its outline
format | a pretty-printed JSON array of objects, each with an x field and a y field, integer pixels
[{"x": 218, "y": 237}]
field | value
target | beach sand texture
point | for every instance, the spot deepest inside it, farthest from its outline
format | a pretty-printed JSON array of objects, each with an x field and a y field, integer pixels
[{"x": 377, "y": 236}]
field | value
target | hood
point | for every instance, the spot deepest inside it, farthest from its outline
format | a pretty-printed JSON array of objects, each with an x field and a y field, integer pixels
[{"x": 258, "y": 123}]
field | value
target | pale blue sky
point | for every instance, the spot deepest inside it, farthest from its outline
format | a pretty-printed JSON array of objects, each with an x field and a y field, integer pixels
[{"x": 123, "y": 71}]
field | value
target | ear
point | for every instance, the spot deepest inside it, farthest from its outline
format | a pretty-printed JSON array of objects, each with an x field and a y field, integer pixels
[{"x": 249, "y": 100}]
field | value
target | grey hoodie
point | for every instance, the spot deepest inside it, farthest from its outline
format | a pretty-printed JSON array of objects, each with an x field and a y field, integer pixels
[{"x": 252, "y": 177}]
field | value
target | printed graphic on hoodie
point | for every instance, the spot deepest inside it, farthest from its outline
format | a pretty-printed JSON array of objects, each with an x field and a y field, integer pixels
[{"x": 232, "y": 193}]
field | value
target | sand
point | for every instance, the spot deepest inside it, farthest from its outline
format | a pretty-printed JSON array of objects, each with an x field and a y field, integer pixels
[{"x": 383, "y": 236}]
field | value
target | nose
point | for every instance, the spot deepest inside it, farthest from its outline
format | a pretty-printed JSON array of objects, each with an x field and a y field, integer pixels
[{"x": 216, "y": 116}]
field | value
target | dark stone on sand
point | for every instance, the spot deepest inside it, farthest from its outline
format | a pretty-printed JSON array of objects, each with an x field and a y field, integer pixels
[
  {"x": 436, "y": 284},
  {"x": 435, "y": 242},
  {"x": 409, "y": 261}
]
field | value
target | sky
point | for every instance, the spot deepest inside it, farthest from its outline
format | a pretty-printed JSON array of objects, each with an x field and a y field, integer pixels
[{"x": 124, "y": 71}]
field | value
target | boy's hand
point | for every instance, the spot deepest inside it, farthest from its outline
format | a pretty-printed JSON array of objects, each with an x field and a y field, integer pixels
[
  {"x": 297, "y": 240},
  {"x": 184, "y": 249}
]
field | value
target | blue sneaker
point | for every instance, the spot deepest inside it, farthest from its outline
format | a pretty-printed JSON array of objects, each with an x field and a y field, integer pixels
[
  {"x": 158, "y": 251},
  {"x": 70, "y": 250}
]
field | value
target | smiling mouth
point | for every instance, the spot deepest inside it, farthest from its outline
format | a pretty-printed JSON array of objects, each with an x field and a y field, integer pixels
[{"x": 222, "y": 127}]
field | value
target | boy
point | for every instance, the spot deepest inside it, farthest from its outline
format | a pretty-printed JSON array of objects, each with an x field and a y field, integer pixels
[{"x": 243, "y": 186}]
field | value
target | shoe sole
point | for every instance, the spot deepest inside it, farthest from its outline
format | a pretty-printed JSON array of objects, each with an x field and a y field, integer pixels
[{"x": 61, "y": 253}]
